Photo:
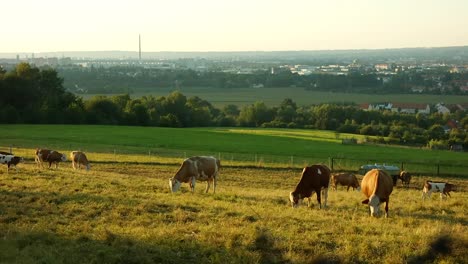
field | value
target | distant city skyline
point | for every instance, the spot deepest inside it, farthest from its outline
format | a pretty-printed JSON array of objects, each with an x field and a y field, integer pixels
[{"x": 242, "y": 25}]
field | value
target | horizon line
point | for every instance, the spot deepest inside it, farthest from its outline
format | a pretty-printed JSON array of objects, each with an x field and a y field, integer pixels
[{"x": 234, "y": 51}]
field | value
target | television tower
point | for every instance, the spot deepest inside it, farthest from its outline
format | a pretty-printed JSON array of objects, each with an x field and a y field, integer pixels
[{"x": 139, "y": 47}]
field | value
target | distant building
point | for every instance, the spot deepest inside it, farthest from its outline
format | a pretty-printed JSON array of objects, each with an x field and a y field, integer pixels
[
  {"x": 411, "y": 108},
  {"x": 442, "y": 109},
  {"x": 407, "y": 108}
]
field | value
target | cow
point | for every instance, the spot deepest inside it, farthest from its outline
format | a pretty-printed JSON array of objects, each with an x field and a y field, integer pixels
[
  {"x": 377, "y": 186},
  {"x": 405, "y": 178},
  {"x": 443, "y": 187},
  {"x": 345, "y": 179},
  {"x": 202, "y": 168},
  {"x": 313, "y": 179},
  {"x": 78, "y": 158},
  {"x": 10, "y": 160},
  {"x": 51, "y": 156}
]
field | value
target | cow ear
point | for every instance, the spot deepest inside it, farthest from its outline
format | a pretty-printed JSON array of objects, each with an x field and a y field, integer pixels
[{"x": 366, "y": 201}]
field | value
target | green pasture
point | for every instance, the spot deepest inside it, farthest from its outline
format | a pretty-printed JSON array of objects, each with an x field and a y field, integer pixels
[
  {"x": 274, "y": 96},
  {"x": 234, "y": 146},
  {"x": 123, "y": 212}
]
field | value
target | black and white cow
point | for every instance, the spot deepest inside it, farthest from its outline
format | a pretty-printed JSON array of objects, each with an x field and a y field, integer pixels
[
  {"x": 10, "y": 160},
  {"x": 443, "y": 187}
]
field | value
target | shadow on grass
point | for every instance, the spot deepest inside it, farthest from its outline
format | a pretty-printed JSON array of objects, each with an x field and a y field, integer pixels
[{"x": 442, "y": 247}]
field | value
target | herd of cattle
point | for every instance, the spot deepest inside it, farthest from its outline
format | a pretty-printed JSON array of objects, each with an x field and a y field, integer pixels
[
  {"x": 376, "y": 185},
  {"x": 42, "y": 156}
]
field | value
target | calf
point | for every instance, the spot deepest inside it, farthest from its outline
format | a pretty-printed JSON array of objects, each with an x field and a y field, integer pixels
[
  {"x": 78, "y": 158},
  {"x": 10, "y": 160},
  {"x": 345, "y": 179},
  {"x": 51, "y": 156},
  {"x": 443, "y": 187},
  {"x": 377, "y": 186},
  {"x": 405, "y": 178},
  {"x": 313, "y": 179}
]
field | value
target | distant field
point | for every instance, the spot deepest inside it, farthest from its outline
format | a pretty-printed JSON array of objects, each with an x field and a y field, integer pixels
[
  {"x": 235, "y": 146},
  {"x": 274, "y": 96}
]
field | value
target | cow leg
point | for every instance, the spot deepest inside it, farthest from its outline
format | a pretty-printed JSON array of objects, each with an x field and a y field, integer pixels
[
  {"x": 192, "y": 184},
  {"x": 319, "y": 198},
  {"x": 208, "y": 182},
  {"x": 325, "y": 196},
  {"x": 386, "y": 207},
  {"x": 214, "y": 184},
  {"x": 347, "y": 189}
]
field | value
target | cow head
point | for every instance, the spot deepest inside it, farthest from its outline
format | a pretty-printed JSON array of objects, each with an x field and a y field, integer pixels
[
  {"x": 174, "y": 184},
  {"x": 294, "y": 199},
  {"x": 63, "y": 158},
  {"x": 88, "y": 166},
  {"x": 374, "y": 205}
]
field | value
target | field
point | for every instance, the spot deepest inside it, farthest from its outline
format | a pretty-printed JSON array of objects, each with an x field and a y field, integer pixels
[
  {"x": 121, "y": 211},
  {"x": 274, "y": 96}
]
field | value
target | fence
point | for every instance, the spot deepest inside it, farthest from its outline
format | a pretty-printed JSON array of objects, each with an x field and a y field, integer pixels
[{"x": 171, "y": 156}]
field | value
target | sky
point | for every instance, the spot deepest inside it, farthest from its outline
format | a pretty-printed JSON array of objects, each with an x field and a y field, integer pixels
[{"x": 230, "y": 25}]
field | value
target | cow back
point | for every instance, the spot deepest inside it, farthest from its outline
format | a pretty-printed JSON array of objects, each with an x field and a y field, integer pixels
[
  {"x": 313, "y": 178},
  {"x": 377, "y": 182}
]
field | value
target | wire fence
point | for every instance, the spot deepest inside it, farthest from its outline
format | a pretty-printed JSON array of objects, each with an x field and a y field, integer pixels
[{"x": 230, "y": 159}]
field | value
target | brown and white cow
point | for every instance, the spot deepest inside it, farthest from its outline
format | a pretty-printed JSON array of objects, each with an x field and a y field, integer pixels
[
  {"x": 345, "y": 179},
  {"x": 443, "y": 187},
  {"x": 78, "y": 158},
  {"x": 202, "y": 168},
  {"x": 315, "y": 178},
  {"x": 51, "y": 156},
  {"x": 405, "y": 178},
  {"x": 10, "y": 160},
  {"x": 377, "y": 186}
]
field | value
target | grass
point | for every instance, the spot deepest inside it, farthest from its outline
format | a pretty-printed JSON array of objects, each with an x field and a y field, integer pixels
[
  {"x": 235, "y": 146},
  {"x": 123, "y": 212},
  {"x": 274, "y": 96}
]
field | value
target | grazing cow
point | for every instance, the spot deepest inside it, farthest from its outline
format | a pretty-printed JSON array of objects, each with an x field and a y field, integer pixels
[
  {"x": 51, "y": 156},
  {"x": 203, "y": 168},
  {"x": 10, "y": 160},
  {"x": 78, "y": 158},
  {"x": 443, "y": 187},
  {"x": 313, "y": 179},
  {"x": 405, "y": 178},
  {"x": 377, "y": 186},
  {"x": 345, "y": 179}
]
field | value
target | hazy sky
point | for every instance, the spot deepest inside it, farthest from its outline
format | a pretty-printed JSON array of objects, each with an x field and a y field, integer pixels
[{"x": 230, "y": 25}]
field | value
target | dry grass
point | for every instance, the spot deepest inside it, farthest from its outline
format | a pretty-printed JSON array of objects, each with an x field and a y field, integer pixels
[{"x": 124, "y": 213}]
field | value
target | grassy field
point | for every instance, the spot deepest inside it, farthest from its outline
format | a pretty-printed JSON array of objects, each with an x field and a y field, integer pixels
[
  {"x": 274, "y": 96},
  {"x": 123, "y": 212},
  {"x": 234, "y": 146}
]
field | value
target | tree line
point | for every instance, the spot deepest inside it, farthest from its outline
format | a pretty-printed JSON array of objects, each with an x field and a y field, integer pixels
[
  {"x": 129, "y": 79},
  {"x": 32, "y": 95}
]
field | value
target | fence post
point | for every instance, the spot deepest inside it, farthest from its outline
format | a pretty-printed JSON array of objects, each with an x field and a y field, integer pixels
[
  {"x": 402, "y": 166},
  {"x": 292, "y": 161},
  {"x": 255, "y": 159},
  {"x": 438, "y": 169},
  {"x": 10, "y": 149}
]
